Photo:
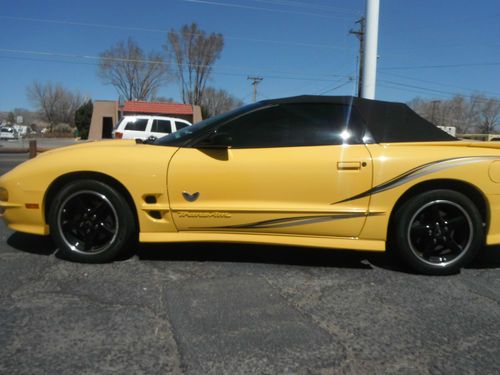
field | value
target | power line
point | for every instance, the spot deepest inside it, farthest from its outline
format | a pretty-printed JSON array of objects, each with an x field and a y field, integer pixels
[
  {"x": 94, "y": 61},
  {"x": 337, "y": 87},
  {"x": 469, "y": 44},
  {"x": 49, "y": 61},
  {"x": 145, "y": 61},
  {"x": 299, "y": 4},
  {"x": 439, "y": 83},
  {"x": 388, "y": 84},
  {"x": 337, "y": 70},
  {"x": 418, "y": 87},
  {"x": 441, "y": 66},
  {"x": 428, "y": 90},
  {"x": 410, "y": 90},
  {"x": 165, "y": 31},
  {"x": 218, "y": 3},
  {"x": 215, "y": 72}
]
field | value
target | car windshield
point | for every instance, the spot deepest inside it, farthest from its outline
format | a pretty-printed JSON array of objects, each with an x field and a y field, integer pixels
[{"x": 183, "y": 135}]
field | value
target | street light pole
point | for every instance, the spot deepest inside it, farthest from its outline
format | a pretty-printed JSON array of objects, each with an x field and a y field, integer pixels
[{"x": 371, "y": 46}]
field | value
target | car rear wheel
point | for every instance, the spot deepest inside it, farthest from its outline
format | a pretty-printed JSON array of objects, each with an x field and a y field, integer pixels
[
  {"x": 438, "y": 232},
  {"x": 91, "y": 222}
]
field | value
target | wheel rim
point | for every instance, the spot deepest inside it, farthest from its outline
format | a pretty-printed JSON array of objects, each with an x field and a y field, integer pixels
[
  {"x": 88, "y": 222},
  {"x": 440, "y": 233}
]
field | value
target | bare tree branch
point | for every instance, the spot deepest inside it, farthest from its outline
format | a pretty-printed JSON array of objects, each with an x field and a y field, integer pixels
[
  {"x": 55, "y": 103},
  {"x": 194, "y": 54},
  {"x": 473, "y": 114},
  {"x": 133, "y": 74},
  {"x": 215, "y": 102}
]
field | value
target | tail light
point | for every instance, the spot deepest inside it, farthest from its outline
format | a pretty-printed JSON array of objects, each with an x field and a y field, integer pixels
[{"x": 118, "y": 135}]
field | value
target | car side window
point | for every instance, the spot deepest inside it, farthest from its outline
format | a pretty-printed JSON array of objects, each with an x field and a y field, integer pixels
[
  {"x": 161, "y": 126},
  {"x": 180, "y": 125},
  {"x": 297, "y": 124},
  {"x": 139, "y": 124}
]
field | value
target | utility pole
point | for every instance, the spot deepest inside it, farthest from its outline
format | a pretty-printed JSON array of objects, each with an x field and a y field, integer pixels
[
  {"x": 370, "y": 49},
  {"x": 255, "y": 81},
  {"x": 360, "y": 34}
]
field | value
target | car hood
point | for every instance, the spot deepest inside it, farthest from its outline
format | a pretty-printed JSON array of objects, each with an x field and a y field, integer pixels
[
  {"x": 91, "y": 145},
  {"x": 121, "y": 159}
]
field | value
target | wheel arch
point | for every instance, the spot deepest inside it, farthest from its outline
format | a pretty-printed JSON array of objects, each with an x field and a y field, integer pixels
[
  {"x": 469, "y": 190},
  {"x": 59, "y": 182}
]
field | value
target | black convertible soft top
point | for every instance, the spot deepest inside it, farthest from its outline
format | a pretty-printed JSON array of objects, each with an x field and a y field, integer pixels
[{"x": 386, "y": 121}]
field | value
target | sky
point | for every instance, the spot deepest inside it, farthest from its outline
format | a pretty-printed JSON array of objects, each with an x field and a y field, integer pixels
[{"x": 427, "y": 48}]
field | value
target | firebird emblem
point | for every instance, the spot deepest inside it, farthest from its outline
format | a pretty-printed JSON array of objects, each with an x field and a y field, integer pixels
[{"x": 190, "y": 197}]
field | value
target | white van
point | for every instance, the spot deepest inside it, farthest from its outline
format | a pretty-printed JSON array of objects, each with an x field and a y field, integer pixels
[
  {"x": 143, "y": 127},
  {"x": 8, "y": 132}
]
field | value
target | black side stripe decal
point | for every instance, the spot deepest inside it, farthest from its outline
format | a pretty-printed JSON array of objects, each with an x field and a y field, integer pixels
[
  {"x": 420, "y": 171},
  {"x": 299, "y": 220}
]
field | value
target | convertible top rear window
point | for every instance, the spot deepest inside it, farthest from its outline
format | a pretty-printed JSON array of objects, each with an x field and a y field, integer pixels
[{"x": 396, "y": 122}]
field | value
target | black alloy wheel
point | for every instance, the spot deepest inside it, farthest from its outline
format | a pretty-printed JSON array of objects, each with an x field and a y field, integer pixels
[
  {"x": 438, "y": 232},
  {"x": 91, "y": 222}
]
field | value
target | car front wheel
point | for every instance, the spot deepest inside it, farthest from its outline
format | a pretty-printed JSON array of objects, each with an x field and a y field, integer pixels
[
  {"x": 91, "y": 222},
  {"x": 438, "y": 232}
]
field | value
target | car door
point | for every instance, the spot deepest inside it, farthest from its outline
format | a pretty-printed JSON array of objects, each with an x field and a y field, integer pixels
[{"x": 289, "y": 170}]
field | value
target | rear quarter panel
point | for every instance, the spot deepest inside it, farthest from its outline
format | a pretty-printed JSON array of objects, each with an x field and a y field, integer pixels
[{"x": 467, "y": 164}]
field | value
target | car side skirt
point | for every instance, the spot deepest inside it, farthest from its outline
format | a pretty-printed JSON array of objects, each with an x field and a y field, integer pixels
[{"x": 323, "y": 242}]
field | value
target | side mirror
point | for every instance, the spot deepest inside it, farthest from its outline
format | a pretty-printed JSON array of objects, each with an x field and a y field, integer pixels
[{"x": 215, "y": 140}]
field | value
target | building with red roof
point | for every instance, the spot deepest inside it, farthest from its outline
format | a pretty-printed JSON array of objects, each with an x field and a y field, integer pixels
[{"x": 107, "y": 113}]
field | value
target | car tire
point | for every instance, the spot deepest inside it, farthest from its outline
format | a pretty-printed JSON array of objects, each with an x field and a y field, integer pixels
[
  {"x": 437, "y": 232},
  {"x": 91, "y": 222}
]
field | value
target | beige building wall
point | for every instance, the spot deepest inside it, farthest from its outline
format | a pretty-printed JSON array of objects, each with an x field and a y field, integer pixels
[
  {"x": 109, "y": 109},
  {"x": 196, "y": 114},
  {"x": 102, "y": 109}
]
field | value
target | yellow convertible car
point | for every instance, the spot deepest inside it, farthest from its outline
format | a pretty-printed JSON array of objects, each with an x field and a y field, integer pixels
[{"x": 334, "y": 172}]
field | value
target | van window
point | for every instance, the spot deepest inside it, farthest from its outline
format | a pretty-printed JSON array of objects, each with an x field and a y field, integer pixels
[{"x": 139, "y": 124}]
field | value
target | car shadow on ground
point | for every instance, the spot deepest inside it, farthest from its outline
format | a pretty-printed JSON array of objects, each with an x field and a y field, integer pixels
[
  {"x": 248, "y": 253},
  {"x": 33, "y": 244}
]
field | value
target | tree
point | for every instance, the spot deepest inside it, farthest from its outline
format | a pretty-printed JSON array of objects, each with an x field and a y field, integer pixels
[
  {"x": 475, "y": 113},
  {"x": 194, "y": 53},
  {"x": 11, "y": 119},
  {"x": 162, "y": 99},
  {"x": 55, "y": 103},
  {"x": 215, "y": 102},
  {"x": 28, "y": 116},
  {"x": 134, "y": 74},
  {"x": 83, "y": 116},
  {"x": 489, "y": 112}
]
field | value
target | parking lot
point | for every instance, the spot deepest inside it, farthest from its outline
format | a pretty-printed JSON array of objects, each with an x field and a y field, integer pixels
[
  {"x": 241, "y": 309},
  {"x": 23, "y": 143}
]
